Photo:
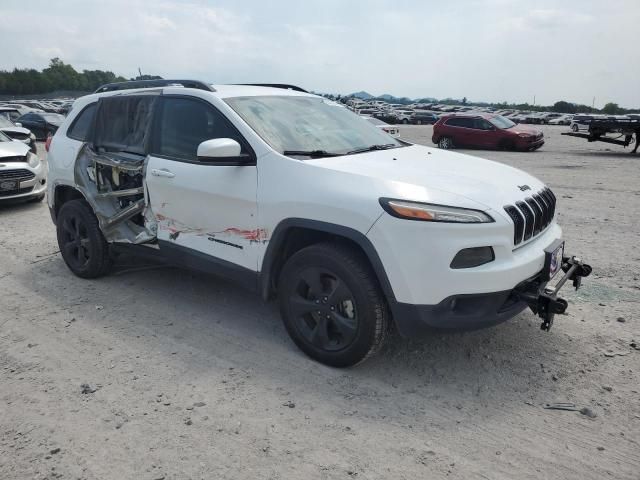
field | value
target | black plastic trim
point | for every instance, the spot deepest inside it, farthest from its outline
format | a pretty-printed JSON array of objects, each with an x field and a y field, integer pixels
[
  {"x": 283, "y": 86},
  {"x": 457, "y": 313},
  {"x": 188, "y": 258},
  {"x": 111, "y": 87},
  {"x": 459, "y": 262},
  {"x": 279, "y": 236}
]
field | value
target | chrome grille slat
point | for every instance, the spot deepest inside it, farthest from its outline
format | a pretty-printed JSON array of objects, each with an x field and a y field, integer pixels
[{"x": 532, "y": 216}]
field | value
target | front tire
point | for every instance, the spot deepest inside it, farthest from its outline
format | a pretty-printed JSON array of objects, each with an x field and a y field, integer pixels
[
  {"x": 445, "y": 143},
  {"x": 331, "y": 304},
  {"x": 574, "y": 127},
  {"x": 82, "y": 245}
]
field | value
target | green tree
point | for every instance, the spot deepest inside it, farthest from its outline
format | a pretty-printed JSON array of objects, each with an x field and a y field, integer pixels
[
  {"x": 564, "y": 107},
  {"x": 611, "y": 109}
]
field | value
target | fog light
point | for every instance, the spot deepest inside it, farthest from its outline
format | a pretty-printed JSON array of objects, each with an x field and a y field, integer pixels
[{"x": 472, "y": 257}]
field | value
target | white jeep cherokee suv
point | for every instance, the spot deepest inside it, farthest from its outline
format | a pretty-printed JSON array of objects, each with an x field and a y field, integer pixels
[{"x": 295, "y": 196}]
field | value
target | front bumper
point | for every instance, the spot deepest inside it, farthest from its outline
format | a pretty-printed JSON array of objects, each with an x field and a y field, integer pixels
[
  {"x": 530, "y": 144},
  {"x": 473, "y": 312},
  {"x": 28, "y": 186}
]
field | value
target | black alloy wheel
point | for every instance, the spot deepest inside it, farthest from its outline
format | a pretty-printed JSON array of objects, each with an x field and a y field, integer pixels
[
  {"x": 75, "y": 246},
  {"x": 80, "y": 240},
  {"x": 324, "y": 309},
  {"x": 331, "y": 304}
]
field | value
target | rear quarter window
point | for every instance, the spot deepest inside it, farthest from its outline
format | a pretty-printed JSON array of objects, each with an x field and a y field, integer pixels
[{"x": 79, "y": 129}]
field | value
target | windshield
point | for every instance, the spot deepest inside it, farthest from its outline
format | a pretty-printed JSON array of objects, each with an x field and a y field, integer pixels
[
  {"x": 308, "y": 124},
  {"x": 501, "y": 122},
  {"x": 5, "y": 122}
]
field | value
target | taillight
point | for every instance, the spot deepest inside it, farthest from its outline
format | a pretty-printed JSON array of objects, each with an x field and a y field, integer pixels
[{"x": 47, "y": 144}]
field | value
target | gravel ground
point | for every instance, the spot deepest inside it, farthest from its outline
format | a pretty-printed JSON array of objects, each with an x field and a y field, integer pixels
[{"x": 187, "y": 377}]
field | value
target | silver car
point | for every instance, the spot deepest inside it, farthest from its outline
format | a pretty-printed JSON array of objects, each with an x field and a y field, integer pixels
[{"x": 22, "y": 174}]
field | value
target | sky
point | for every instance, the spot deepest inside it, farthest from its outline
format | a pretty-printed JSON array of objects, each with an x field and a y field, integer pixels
[{"x": 485, "y": 50}]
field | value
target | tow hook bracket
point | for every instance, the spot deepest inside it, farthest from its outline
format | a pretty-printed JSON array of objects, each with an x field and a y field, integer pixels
[{"x": 544, "y": 301}]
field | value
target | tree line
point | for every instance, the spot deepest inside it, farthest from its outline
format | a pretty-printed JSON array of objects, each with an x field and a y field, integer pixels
[{"x": 57, "y": 76}]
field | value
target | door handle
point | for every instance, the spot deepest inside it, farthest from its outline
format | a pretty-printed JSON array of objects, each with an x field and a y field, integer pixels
[{"x": 163, "y": 172}]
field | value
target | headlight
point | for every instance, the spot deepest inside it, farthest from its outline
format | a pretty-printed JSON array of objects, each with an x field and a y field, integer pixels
[
  {"x": 429, "y": 212},
  {"x": 524, "y": 135},
  {"x": 33, "y": 160}
]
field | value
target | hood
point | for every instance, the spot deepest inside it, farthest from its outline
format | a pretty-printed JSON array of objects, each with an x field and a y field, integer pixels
[
  {"x": 427, "y": 174},
  {"x": 14, "y": 148},
  {"x": 520, "y": 128},
  {"x": 21, "y": 130}
]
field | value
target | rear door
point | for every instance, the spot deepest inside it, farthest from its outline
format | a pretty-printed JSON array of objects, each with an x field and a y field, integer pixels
[{"x": 201, "y": 207}]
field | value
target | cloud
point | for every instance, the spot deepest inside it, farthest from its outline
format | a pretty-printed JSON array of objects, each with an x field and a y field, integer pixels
[{"x": 483, "y": 49}]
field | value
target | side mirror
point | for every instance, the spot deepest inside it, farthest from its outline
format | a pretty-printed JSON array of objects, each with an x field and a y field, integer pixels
[
  {"x": 18, "y": 124},
  {"x": 219, "y": 149}
]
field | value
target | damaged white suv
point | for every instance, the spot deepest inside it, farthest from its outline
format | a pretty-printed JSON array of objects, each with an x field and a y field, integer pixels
[{"x": 295, "y": 196}]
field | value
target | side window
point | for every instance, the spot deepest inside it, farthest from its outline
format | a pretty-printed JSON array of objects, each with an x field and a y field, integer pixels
[
  {"x": 79, "y": 130},
  {"x": 185, "y": 123},
  {"x": 467, "y": 123},
  {"x": 481, "y": 124},
  {"x": 454, "y": 122}
]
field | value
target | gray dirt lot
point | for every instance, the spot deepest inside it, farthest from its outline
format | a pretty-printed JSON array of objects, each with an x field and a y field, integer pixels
[{"x": 197, "y": 379}]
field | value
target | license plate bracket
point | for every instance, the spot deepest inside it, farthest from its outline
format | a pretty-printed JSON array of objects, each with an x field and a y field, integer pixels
[{"x": 553, "y": 256}]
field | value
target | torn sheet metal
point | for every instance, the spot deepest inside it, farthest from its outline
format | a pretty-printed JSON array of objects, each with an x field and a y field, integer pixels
[{"x": 113, "y": 184}]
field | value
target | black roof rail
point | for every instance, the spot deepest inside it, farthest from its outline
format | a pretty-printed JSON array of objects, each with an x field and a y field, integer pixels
[
  {"x": 111, "y": 87},
  {"x": 284, "y": 86}
]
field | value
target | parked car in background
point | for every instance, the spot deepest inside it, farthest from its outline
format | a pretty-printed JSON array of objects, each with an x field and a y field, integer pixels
[
  {"x": 404, "y": 116},
  {"x": 17, "y": 132},
  {"x": 15, "y": 107},
  {"x": 41, "y": 124},
  {"x": 561, "y": 120},
  {"x": 11, "y": 113},
  {"x": 580, "y": 122},
  {"x": 390, "y": 129},
  {"x": 485, "y": 130},
  {"x": 22, "y": 174},
  {"x": 423, "y": 118}
]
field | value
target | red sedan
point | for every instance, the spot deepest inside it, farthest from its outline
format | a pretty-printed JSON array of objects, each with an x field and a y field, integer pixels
[{"x": 485, "y": 130}]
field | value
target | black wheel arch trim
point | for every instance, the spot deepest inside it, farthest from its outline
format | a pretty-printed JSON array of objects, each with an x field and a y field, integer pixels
[{"x": 279, "y": 237}]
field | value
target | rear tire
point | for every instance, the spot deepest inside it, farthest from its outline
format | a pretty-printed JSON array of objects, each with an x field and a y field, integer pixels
[
  {"x": 331, "y": 304},
  {"x": 405, "y": 121},
  {"x": 82, "y": 245},
  {"x": 445, "y": 143}
]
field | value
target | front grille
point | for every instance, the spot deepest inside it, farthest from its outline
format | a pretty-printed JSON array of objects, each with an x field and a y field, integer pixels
[
  {"x": 17, "y": 158},
  {"x": 532, "y": 216},
  {"x": 20, "y": 173},
  {"x": 15, "y": 191}
]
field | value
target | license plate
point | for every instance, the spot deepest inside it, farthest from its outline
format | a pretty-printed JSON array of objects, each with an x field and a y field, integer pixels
[
  {"x": 8, "y": 185},
  {"x": 553, "y": 259}
]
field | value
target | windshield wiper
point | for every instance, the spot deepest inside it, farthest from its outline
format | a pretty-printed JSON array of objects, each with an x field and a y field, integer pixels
[
  {"x": 372, "y": 148},
  {"x": 311, "y": 153}
]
